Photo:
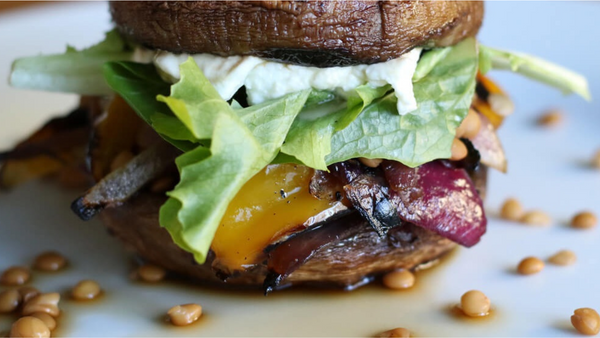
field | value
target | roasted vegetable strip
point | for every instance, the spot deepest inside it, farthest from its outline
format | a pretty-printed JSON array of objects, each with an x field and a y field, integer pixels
[
  {"x": 293, "y": 253},
  {"x": 121, "y": 184},
  {"x": 60, "y": 143}
]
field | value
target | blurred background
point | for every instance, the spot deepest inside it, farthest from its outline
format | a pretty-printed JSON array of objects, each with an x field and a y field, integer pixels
[{"x": 8, "y": 5}]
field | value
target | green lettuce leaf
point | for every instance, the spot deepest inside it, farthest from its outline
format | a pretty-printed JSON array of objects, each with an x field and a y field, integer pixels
[
  {"x": 443, "y": 97},
  {"x": 309, "y": 139},
  {"x": 74, "y": 71},
  {"x": 139, "y": 85},
  {"x": 210, "y": 179},
  {"x": 282, "y": 158},
  {"x": 195, "y": 101},
  {"x": 243, "y": 142},
  {"x": 429, "y": 60},
  {"x": 535, "y": 68}
]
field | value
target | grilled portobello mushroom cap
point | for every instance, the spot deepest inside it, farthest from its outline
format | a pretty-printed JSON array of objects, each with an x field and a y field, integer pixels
[
  {"x": 316, "y": 33},
  {"x": 346, "y": 251}
]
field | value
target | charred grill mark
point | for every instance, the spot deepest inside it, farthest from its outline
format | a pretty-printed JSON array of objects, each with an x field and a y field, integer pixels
[
  {"x": 324, "y": 185},
  {"x": 369, "y": 196},
  {"x": 481, "y": 91},
  {"x": 85, "y": 210},
  {"x": 367, "y": 190},
  {"x": 472, "y": 161}
]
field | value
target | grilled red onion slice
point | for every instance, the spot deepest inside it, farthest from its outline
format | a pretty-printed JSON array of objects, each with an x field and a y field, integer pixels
[{"x": 438, "y": 197}]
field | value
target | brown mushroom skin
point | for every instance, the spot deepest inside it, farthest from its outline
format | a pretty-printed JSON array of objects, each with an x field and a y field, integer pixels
[
  {"x": 316, "y": 33},
  {"x": 347, "y": 262}
]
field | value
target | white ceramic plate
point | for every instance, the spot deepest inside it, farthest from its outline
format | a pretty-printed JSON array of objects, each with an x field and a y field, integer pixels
[{"x": 547, "y": 171}]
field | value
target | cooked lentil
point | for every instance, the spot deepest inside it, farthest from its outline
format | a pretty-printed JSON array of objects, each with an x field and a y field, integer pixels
[
  {"x": 29, "y": 327},
  {"x": 586, "y": 321},
  {"x": 475, "y": 303},
  {"x": 46, "y": 318},
  {"x": 44, "y": 302},
  {"x": 151, "y": 273},
  {"x": 512, "y": 210},
  {"x": 584, "y": 220},
  {"x": 563, "y": 258},
  {"x": 397, "y": 332},
  {"x": 86, "y": 290},
  {"x": 530, "y": 265},
  {"x": 15, "y": 275},
  {"x": 49, "y": 261},
  {"x": 9, "y": 301},
  {"x": 401, "y": 279},
  {"x": 551, "y": 118},
  {"x": 185, "y": 314},
  {"x": 536, "y": 217}
]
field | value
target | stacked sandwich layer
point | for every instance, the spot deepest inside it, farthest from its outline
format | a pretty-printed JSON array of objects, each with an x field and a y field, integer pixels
[{"x": 314, "y": 141}]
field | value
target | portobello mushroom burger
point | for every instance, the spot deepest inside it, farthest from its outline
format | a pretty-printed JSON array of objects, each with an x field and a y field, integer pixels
[{"x": 277, "y": 143}]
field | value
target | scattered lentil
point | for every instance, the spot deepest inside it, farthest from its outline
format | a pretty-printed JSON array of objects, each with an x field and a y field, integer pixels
[
  {"x": 551, "y": 118},
  {"x": 9, "y": 301},
  {"x": 475, "y": 303},
  {"x": 151, "y": 273},
  {"x": 15, "y": 275},
  {"x": 401, "y": 279},
  {"x": 563, "y": 258},
  {"x": 530, "y": 265},
  {"x": 29, "y": 327},
  {"x": 512, "y": 210},
  {"x": 50, "y": 261},
  {"x": 86, "y": 290},
  {"x": 584, "y": 220},
  {"x": 596, "y": 160},
  {"x": 46, "y": 318},
  {"x": 28, "y": 292},
  {"x": 536, "y": 217},
  {"x": 185, "y": 314},
  {"x": 44, "y": 302},
  {"x": 397, "y": 332},
  {"x": 586, "y": 321}
]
